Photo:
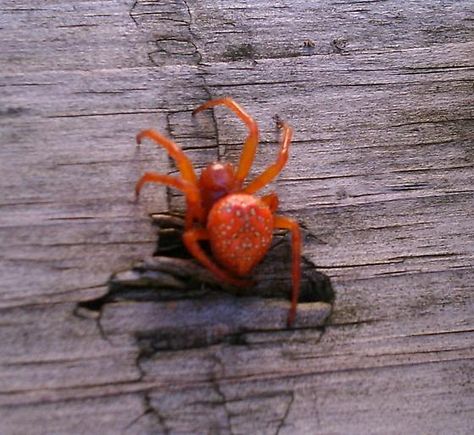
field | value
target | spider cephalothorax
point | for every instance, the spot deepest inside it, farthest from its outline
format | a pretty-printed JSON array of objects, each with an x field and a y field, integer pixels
[{"x": 238, "y": 225}]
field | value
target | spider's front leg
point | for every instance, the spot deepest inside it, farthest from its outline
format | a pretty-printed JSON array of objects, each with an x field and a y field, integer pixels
[
  {"x": 290, "y": 224},
  {"x": 191, "y": 192},
  {"x": 250, "y": 145},
  {"x": 188, "y": 181},
  {"x": 183, "y": 163}
]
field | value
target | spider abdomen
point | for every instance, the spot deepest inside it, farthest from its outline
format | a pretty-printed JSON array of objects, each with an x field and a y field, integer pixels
[{"x": 240, "y": 230}]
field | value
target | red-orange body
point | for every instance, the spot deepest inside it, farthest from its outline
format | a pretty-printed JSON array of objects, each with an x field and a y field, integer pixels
[
  {"x": 238, "y": 225},
  {"x": 240, "y": 230}
]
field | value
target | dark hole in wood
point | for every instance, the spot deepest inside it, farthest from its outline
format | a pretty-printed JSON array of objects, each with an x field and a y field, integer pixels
[
  {"x": 171, "y": 274},
  {"x": 204, "y": 311},
  {"x": 272, "y": 276}
]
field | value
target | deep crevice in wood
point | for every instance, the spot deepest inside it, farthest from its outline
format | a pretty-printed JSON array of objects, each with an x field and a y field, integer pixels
[{"x": 171, "y": 275}]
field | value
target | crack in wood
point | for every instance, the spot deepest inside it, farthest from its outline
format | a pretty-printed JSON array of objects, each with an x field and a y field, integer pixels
[
  {"x": 214, "y": 381},
  {"x": 180, "y": 278},
  {"x": 287, "y": 412},
  {"x": 148, "y": 408}
]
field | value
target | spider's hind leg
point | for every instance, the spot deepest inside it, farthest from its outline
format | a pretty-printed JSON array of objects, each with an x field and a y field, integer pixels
[{"x": 290, "y": 224}]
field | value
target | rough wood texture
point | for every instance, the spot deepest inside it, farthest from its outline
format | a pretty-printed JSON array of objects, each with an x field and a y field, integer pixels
[{"x": 380, "y": 172}]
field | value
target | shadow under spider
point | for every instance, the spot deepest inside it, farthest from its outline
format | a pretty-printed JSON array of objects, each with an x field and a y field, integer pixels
[
  {"x": 272, "y": 276},
  {"x": 204, "y": 311},
  {"x": 173, "y": 274}
]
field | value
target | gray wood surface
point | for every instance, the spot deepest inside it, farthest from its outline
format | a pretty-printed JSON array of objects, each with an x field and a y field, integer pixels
[{"x": 380, "y": 94}]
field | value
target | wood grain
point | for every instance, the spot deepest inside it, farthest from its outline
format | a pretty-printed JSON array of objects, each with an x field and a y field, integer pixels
[{"x": 380, "y": 174}]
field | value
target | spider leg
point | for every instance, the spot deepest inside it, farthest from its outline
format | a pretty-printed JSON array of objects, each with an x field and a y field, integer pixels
[
  {"x": 250, "y": 145},
  {"x": 271, "y": 200},
  {"x": 193, "y": 196},
  {"x": 191, "y": 239},
  {"x": 290, "y": 224},
  {"x": 273, "y": 170},
  {"x": 182, "y": 161}
]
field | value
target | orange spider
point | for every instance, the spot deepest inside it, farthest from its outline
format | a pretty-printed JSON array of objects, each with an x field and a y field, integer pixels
[{"x": 238, "y": 225}]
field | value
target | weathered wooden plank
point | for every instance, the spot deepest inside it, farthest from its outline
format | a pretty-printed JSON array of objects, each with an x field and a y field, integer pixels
[
  {"x": 237, "y": 387},
  {"x": 106, "y": 414},
  {"x": 380, "y": 173},
  {"x": 87, "y": 35},
  {"x": 68, "y": 197},
  {"x": 237, "y": 30},
  {"x": 61, "y": 351}
]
